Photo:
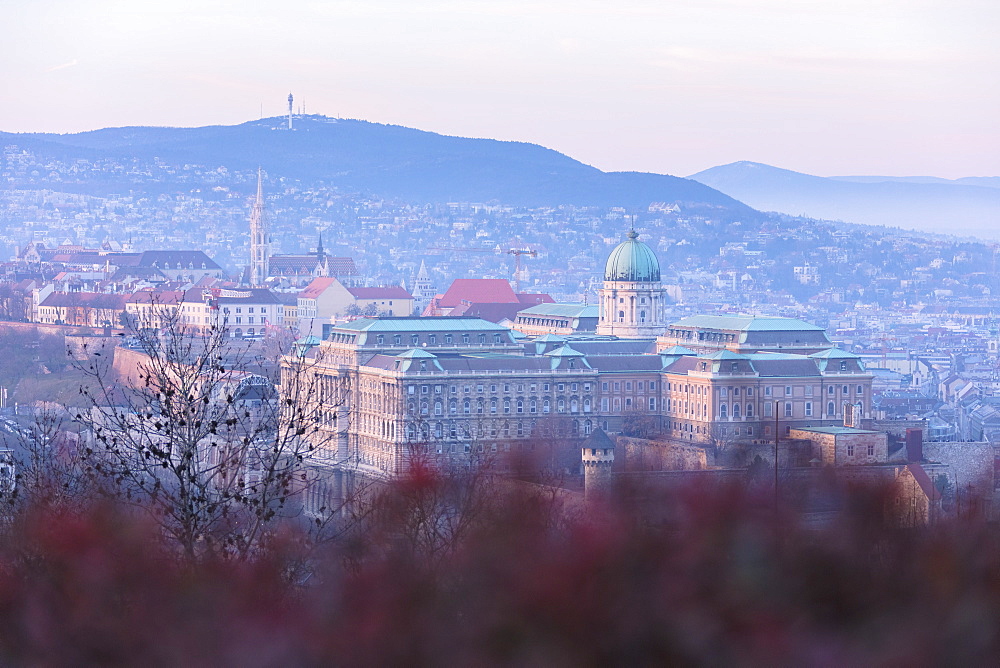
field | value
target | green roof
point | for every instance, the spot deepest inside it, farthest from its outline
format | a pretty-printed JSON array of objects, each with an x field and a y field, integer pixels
[
  {"x": 632, "y": 260},
  {"x": 565, "y": 351},
  {"x": 835, "y": 353},
  {"x": 747, "y": 323},
  {"x": 775, "y": 356},
  {"x": 440, "y": 324},
  {"x": 677, "y": 350},
  {"x": 416, "y": 352},
  {"x": 563, "y": 310},
  {"x": 723, "y": 355}
]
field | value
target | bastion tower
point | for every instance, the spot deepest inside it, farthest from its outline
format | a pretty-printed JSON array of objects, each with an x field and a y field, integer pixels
[{"x": 632, "y": 299}]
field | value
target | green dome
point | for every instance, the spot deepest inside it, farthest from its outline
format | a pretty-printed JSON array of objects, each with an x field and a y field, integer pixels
[{"x": 632, "y": 260}]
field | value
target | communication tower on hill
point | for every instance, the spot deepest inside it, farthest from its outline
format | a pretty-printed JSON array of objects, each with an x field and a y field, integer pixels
[{"x": 290, "y": 111}]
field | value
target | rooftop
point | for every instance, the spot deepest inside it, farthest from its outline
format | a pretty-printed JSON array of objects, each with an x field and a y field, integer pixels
[
  {"x": 746, "y": 323},
  {"x": 836, "y": 430},
  {"x": 415, "y": 324}
]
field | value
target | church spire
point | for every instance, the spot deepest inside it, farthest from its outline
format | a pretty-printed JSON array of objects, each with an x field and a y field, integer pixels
[{"x": 259, "y": 254}]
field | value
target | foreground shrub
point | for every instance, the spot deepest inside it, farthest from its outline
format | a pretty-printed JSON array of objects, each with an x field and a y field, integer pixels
[{"x": 529, "y": 580}]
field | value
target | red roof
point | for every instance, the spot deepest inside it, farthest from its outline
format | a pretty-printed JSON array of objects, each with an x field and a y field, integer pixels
[
  {"x": 86, "y": 299},
  {"x": 924, "y": 480},
  {"x": 317, "y": 287},
  {"x": 391, "y": 292},
  {"x": 478, "y": 291}
]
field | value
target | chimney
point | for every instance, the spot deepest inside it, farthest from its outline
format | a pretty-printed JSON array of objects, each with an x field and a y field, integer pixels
[{"x": 914, "y": 444}]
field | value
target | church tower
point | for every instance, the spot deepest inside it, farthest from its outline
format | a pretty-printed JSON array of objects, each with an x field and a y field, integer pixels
[
  {"x": 423, "y": 288},
  {"x": 632, "y": 299},
  {"x": 259, "y": 250}
]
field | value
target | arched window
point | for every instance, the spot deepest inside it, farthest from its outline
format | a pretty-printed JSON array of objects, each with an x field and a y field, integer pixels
[
  {"x": 506, "y": 405},
  {"x": 642, "y": 316},
  {"x": 561, "y": 405},
  {"x": 736, "y": 411},
  {"x": 587, "y": 427},
  {"x": 586, "y": 405},
  {"x": 830, "y": 409},
  {"x": 574, "y": 406},
  {"x": 621, "y": 316},
  {"x": 411, "y": 407},
  {"x": 467, "y": 406},
  {"x": 493, "y": 405},
  {"x": 520, "y": 405},
  {"x": 480, "y": 406},
  {"x": 452, "y": 406},
  {"x": 723, "y": 411},
  {"x": 423, "y": 407},
  {"x": 546, "y": 406},
  {"x": 533, "y": 406},
  {"x": 437, "y": 408},
  {"x": 749, "y": 410}
]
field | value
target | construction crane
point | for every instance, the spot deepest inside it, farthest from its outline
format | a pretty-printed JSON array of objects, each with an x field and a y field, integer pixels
[{"x": 516, "y": 252}]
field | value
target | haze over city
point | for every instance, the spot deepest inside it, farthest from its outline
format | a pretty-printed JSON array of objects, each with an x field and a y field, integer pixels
[
  {"x": 499, "y": 333},
  {"x": 891, "y": 88}
]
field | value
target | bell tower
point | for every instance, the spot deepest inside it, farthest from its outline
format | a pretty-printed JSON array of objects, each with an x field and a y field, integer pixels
[{"x": 259, "y": 249}]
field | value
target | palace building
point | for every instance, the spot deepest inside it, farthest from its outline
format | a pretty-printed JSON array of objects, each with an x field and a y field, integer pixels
[{"x": 446, "y": 387}]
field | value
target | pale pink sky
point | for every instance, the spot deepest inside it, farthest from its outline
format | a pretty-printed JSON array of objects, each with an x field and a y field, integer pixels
[{"x": 905, "y": 87}]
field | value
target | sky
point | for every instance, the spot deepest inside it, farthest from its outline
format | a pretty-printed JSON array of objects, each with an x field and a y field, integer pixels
[{"x": 907, "y": 87}]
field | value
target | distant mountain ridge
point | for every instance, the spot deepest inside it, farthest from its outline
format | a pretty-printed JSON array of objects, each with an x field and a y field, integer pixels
[
  {"x": 969, "y": 205},
  {"x": 391, "y": 161}
]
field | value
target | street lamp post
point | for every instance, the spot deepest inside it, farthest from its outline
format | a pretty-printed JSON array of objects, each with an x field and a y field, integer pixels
[{"x": 777, "y": 403}]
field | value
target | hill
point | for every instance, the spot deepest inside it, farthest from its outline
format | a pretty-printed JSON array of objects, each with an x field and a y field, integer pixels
[
  {"x": 964, "y": 206},
  {"x": 389, "y": 161}
]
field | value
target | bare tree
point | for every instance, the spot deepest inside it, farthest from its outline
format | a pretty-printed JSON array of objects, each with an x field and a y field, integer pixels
[
  {"x": 40, "y": 467},
  {"x": 209, "y": 449}
]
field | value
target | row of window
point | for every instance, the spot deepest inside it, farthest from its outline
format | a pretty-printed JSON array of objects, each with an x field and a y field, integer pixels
[
  {"x": 494, "y": 387},
  {"x": 787, "y": 410},
  {"x": 480, "y": 406},
  {"x": 625, "y": 403},
  {"x": 440, "y": 430},
  {"x": 239, "y": 309},
  {"x": 432, "y": 339},
  {"x": 769, "y": 390},
  {"x": 640, "y": 386}
]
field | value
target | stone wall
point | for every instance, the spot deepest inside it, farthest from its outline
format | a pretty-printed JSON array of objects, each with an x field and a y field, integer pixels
[
  {"x": 639, "y": 454},
  {"x": 971, "y": 463}
]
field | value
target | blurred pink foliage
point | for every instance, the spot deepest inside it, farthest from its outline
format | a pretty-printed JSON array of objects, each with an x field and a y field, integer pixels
[{"x": 724, "y": 579}]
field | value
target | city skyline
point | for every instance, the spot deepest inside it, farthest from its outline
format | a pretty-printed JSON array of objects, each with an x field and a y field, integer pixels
[{"x": 893, "y": 89}]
